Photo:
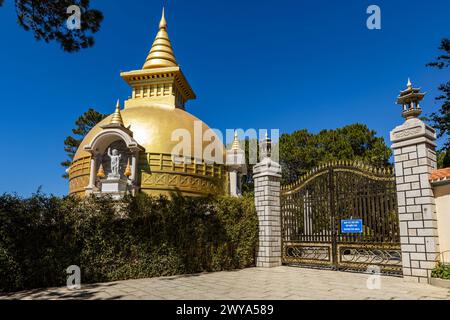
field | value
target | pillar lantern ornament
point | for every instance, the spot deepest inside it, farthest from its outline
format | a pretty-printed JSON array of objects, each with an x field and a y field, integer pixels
[
  {"x": 265, "y": 147},
  {"x": 410, "y": 99}
]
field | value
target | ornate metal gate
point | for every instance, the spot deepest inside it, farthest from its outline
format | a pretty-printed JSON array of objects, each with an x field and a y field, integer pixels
[{"x": 312, "y": 209}]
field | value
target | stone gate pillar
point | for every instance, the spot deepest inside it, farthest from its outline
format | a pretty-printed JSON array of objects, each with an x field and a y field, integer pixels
[
  {"x": 267, "y": 176},
  {"x": 414, "y": 145}
]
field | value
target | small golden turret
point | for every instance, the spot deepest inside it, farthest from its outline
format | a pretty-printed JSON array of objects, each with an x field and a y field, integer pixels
[
  {"x": 101, "y": 172},
  {"x": 236, "y": 145},
  {"x": 127, "y": 172},
  {"x": 117, "y": 117}
]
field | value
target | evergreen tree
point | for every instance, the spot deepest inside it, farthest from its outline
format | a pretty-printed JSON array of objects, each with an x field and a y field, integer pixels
[
  {"x": 83, "y": 125},
  {"x": 301, "y": 150},
  {"x": 47, "y": 20},
  {"x": 440, "y": 120}
]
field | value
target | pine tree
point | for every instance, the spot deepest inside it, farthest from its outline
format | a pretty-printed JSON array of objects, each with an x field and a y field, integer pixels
[
  {"x": 440, "y": 120},
  {"x": 83, "y": 125},
  {"x": 47, "y": 20},
  {"x": 301, "y": 150}
]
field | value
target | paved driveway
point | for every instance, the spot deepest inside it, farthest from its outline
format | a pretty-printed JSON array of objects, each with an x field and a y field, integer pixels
[{"x": 253, "y": 283}]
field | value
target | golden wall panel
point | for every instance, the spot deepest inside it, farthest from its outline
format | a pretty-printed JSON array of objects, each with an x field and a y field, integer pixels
[{"x": 158, "y": 174}]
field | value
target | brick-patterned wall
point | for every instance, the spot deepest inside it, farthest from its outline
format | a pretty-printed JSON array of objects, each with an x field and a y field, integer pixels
[
  {"x": 415, "y": 158},
  {"x": 267, "y": 202}
]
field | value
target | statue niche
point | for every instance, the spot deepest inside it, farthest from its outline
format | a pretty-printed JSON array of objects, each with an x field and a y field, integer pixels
[{"x": 114, "y": 160}]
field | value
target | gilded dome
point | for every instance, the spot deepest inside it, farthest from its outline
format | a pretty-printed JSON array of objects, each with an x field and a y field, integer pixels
[{"x": 152, "y": 128}]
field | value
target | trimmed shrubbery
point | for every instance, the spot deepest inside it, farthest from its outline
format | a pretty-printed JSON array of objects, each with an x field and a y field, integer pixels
[{"x": 137, "y": 237}]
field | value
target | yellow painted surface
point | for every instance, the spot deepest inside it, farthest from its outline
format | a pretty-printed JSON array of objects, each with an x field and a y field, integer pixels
[{"x": 442, "y": 197}]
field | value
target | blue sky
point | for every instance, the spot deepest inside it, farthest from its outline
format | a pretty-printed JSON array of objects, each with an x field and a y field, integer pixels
[{"x": 253, "y": 64}]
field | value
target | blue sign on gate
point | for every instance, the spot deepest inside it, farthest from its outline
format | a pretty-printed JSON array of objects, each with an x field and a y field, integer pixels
[{"x": 351, "y": 226}]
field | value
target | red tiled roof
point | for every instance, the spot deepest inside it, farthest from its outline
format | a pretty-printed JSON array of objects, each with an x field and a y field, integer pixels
[{"x": 440, "y": 174}]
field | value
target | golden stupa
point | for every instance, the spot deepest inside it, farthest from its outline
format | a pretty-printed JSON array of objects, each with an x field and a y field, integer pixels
[{"x": 142, "y": 134}]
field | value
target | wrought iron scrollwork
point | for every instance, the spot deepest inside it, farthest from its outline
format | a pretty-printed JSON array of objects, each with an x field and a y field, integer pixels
[{"x": 312, "y": 208}]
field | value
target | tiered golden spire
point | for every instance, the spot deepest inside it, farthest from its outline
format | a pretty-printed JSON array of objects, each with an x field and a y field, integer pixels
[
  {"x": 236, "y": 145},
  {"x": 117, "y": 117},
  {"x": 161, "y": 54}
]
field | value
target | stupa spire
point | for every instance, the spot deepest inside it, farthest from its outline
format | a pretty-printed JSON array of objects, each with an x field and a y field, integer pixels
[
  {"x": 160, "y": 82},
  {"x": 117, "y": 117},
  {"x": 161, "y": 54},
  {"x": 236, "y": 144}
]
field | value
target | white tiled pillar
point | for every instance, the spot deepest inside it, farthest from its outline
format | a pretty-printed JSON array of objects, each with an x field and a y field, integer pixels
[
  {"x": 414, "y": 145},
  {"x": 267, "y": 175}
]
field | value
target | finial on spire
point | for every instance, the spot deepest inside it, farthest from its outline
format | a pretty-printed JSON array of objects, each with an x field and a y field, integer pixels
[
  {"x": 163, "y": 22},
  {"x": 409, "y": 84},
  {"x": 117, "y": 117}
]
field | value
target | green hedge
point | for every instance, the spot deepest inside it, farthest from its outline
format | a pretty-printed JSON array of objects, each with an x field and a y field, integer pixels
[{"x": 135, "y": 238}]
